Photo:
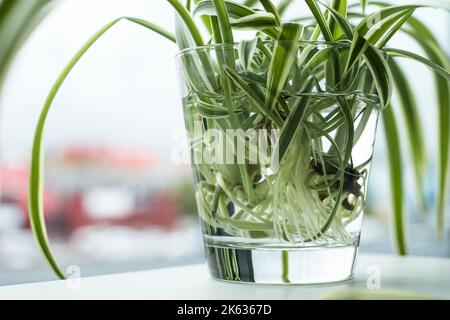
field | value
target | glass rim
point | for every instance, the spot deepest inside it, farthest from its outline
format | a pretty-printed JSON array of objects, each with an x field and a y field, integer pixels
[
  {"x": 340, "y": 44},
  {"x": 363, "y": 96}
]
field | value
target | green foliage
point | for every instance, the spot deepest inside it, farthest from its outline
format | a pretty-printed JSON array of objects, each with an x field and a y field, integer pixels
[{"x": 288, "y": 83}]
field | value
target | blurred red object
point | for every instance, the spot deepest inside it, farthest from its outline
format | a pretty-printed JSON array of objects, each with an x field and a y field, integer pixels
[
  {"x": 78, "y": 190},
  {"x": 14, "y": 190},
  {"x": 161, "y": 211},
  {"x": 99, "y": 156}
]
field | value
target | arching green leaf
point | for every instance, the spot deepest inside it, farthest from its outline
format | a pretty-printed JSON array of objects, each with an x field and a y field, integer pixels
[
  {"x": 285, "y": 51},
  {"x": 36, "y": 209}
]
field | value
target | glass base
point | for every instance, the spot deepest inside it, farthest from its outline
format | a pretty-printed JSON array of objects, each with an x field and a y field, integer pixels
[{"x": 310, "y": 265}]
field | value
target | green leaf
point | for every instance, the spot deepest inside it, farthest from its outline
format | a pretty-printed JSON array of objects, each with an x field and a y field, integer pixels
[
  {"x": 283, "y": 6},
  {"x": 184, "y": 39},
  {"x": 247, "y": 49},
  {"x": 255, "y": 21},
  {"x": 235, "y": 11},
  {"x": 190, "y": 24},
  {"x": 226, "y": 59},
  {"x": 17, "y": 19},
  {"x": 36, "y": 209},
  {"x": 357, "y": 50},
  {"x": 381, "y": 74},
  {"x": 424, "y": 37},
  {"x": 253, "y": 95},
  {"x": 291, "y": 126},
  {"x": 320, "y": 19},
  {"x": 364, "y": 4},
  {"x": 284, "y": 54},
  {"x": 382, "y": 33},
  {"x": 396, "y": 178},
  {"x": 373, "y": 20},
  {"x": 410, "y": 55},
  {"x": 250, "y": 3},
  {"x": 341, "y": 7},
  {"x": 322, "y": 56},
  {"x": 152, "y": 27},
  {"x": 271, "y": 8},
  {"x": 413, "y": 128},
  {"x": 205, "y": 20},
  {"x": 224, "y": 21},
  {"x": 342, "y": 21}
]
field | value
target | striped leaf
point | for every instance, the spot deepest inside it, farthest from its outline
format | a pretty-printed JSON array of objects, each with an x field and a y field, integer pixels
[
  {"x": 396, "y": 178},
  {"x": 341, "y": 20},
  {"x": 410, "y": 55},
  {"x": 285, "y": 52},
  {"x": 357, "y": 50},
  {"x": 234, "y": 9},
  {"x": 254, "y": 96},
  {"x": 381, "y": 74},
  {"x": 291, "y": 127},
  {"x": 320, "y": 19},
  {"x": 420, "y": 33},
  {"x": 247, "y": 49},
  {"x": 413, "y": 127},
  {"x": 271, "y": 8},
  {"x": 255, "y": 21},
  {"x": 341, "y": 7}
]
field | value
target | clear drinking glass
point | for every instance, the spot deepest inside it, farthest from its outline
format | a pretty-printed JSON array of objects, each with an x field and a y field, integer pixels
[{"x": 281, "y": 186}]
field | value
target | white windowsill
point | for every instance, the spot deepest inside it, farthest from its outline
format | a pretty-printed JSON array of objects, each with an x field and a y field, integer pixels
[{"x": 425, "y": 276}]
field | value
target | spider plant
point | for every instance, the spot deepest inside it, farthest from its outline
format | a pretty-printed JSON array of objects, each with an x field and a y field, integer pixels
[{"x": 277, "y": 80}]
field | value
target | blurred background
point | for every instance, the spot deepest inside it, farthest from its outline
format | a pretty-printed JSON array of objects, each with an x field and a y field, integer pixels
[{"x": 114, "y": 199}]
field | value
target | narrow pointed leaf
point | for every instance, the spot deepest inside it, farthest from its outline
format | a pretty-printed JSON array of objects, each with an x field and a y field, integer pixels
[
  {"x": 285, "y": 52},
  {"x": 381, "y": 40},
  {"x": 322, "y": 56},
  {"x": 190, "y": 24},
  {"x": 36, "y": 208},
  {"x": 364, "y": 5},
  {"x": 413, "y": 127},
  {"x": 381, "y": 74},
  {"x": 247, "y": 49},
  {"x": 339, "y": 6},
  {"x": 253, "y": 95},
  {"x": 357, "y": 50},
  {"x": 424, "y": 37},
  {"x": 320, "y": 19},
  {"x": 410, "y": 55},
  {"x": 396, "y": 178},
  {"x": 205, "y": 19},
  {"x": 255, "y": 21},
  {"x": 291, "y": 126},
  {"x": 373, "y": 19},
  {"x": 341, "y": 20},
  {"x": 235, "y": 10},
  {"x": 270, "y": 7}
]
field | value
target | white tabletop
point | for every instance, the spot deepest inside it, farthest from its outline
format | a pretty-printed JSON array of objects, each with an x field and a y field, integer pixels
[{"x": 395, "y": 276}]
